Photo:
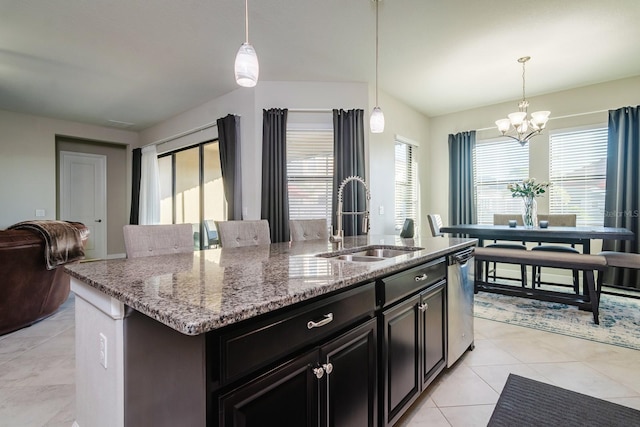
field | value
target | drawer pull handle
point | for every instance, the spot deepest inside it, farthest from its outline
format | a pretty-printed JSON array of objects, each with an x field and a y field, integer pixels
[
  {"x": 319, "y": 372},
  {"x": 423, "y": 307},
  {"x": 421, "y": 277},
  {"x": 328, "y": 318},
  {"x": 328, "y": 368}
]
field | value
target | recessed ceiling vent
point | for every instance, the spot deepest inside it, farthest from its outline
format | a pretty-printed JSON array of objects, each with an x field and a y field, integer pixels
[{"x": 119, "y": 124}]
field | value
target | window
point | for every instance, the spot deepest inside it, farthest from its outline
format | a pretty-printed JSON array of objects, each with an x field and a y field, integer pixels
[
  {"x": 406, "y": 183},
  {"x": 310, "y": 173},
  {"x": 496, "y": 165},
  {"x": 191, "y": 190},
  {"x": 577, "y": 172}
]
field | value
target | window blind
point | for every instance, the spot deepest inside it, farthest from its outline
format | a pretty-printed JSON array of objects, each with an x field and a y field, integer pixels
[
  {"x": 577, "y": 172},
  {"x": 496, "y": 165},
  {"x": 310, "y": 173},
  {"x": 406, "y": 185}
]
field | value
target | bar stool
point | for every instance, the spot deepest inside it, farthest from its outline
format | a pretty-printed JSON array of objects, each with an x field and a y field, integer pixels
[{"x": 235, "y": 234}]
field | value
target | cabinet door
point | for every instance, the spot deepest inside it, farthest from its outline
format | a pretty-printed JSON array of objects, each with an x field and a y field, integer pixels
[
  {"x": 401, "y": 358},
  {"x": 286, "y": 396},
  {"x": 349, "y": 391},
  {"x": 433, "y": 338}
]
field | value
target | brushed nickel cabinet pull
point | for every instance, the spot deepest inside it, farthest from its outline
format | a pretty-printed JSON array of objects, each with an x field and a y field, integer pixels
[
  {"x": 328, "y": 318},
  {"x": 421, "y": 277}
]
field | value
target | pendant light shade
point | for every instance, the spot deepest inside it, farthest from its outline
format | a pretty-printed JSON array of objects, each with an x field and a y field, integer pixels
[
  {"x": 246, "y": 66},
  {"x": 376, "y": 121}
]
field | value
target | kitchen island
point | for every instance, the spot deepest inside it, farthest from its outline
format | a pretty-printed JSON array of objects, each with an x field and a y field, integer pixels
[{"x": 185, "y": 339}]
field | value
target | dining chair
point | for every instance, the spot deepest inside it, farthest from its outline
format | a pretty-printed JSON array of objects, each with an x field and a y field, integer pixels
[
  {"x": 503, "y": 219},
  {"x": 235, "y": 234},
  {"x": 435, "y": 224},
  {"x": 308, "y": 229},
  {"x": 162, "y": 239},
  {"x": 557, "y": 220}
]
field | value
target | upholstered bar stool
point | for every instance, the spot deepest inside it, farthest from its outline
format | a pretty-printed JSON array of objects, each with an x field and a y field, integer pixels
[
  {"x": 164, "y": 239},
  {"x": 235, "y": 234},
  {"x": 308, "y": 229},
  {"x": 557, "y": 220}
]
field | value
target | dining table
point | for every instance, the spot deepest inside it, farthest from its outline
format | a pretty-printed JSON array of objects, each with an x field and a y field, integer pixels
[{"x": 581, "y": 235}]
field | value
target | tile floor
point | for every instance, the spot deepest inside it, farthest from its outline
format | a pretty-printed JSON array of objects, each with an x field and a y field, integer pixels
[{"x": 37, "y": 373}]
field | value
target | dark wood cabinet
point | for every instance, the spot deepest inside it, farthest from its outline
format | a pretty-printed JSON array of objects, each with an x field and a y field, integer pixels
[
  {"x": 413, "y": 349},
  {"x": 331, "y": 385},
  {"x": 433, "y": 323}
]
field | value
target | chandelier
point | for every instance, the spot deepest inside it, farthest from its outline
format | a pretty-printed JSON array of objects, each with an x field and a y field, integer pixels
[{"x": 518, "y": 125}]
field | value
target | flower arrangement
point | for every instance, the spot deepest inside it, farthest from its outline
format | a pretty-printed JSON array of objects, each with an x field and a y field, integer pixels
[{"x": 528, "y": 188}]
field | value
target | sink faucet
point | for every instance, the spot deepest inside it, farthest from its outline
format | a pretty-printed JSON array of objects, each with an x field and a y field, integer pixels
[{"x": 338, "y": 234}]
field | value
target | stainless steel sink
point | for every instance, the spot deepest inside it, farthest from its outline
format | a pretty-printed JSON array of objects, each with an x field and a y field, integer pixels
[{"x": 369, "y": 253}]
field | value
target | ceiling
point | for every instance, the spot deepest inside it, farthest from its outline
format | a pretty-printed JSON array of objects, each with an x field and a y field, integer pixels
[{"x": 143, "y": 61}]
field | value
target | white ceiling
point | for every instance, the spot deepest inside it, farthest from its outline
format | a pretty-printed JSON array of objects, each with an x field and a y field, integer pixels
[{"x": 143, "y": 61}]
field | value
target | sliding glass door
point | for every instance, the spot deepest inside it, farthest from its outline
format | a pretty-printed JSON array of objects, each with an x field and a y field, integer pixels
[{"x": 192, "y": 192}]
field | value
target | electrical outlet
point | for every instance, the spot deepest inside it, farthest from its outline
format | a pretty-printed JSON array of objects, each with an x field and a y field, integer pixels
[
  {"x": 40, "y": 212},
  {"x": 103, "y": 350},
  {"x": 381, "y": 210}
]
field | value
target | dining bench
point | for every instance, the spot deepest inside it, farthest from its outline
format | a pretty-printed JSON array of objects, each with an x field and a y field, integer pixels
[{"x": 589, "y": 299}]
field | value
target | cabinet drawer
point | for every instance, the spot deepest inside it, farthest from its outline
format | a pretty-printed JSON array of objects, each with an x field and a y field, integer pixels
[
  {"x": 400, "y": 285},
  {"x": 265, "y": 341}
]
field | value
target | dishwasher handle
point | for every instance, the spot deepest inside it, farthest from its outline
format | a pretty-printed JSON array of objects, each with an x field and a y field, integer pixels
[{"x": 463, "y": 256}]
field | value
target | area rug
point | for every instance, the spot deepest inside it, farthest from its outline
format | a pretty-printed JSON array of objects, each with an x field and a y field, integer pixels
[
  {"x": 525, "y": 402},
  {"x": 619, "y": 317}
]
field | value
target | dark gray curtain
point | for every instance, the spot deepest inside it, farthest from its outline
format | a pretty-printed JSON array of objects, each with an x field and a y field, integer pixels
[
  {"x": 622, "y": 199},
  {"x": 348, "y": 154},
  {"x": 229, "y": 143},
  {"x": 275, "y": 198},
  {"x": 462, "y": 201},
  {"x": 136, "y": 173}
]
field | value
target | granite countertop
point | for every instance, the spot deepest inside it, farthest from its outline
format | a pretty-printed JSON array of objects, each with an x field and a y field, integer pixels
[{"x": 209, "y": 289}]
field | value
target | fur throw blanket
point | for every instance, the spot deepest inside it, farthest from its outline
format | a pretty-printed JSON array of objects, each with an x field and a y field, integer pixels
[{"x": 63, "y": 240}]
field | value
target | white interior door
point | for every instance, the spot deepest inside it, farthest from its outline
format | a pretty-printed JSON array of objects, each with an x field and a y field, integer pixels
[{"x": 83, "y": 197}]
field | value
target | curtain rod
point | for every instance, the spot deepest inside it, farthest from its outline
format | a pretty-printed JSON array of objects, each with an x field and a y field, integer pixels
[
  {"x": 310, "y": 110},
  {"x": 555, "y": 118},
  {"x": 182, "y": 134}
]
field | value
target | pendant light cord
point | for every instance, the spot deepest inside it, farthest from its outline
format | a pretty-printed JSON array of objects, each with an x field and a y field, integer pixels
[
  {"x": 377, "y": 1},
  {"x": 523, "y": 98},
  {"x": 246, "y": 21}
]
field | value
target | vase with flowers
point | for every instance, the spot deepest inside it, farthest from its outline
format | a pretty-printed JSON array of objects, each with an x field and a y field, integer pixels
[{"x": 529, "y": 189}]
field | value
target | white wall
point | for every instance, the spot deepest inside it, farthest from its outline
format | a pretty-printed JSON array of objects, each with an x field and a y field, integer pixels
[
  {"x": 407, "y": 123},
  {"x": 573, "y": 108},
  {"x": 28, "y": 161}
]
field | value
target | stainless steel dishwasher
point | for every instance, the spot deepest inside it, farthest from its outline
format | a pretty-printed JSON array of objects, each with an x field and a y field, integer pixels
[{"x": 460, "y": 278}]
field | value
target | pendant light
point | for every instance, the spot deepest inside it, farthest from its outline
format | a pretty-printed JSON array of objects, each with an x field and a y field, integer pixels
[
  {"x": 247, "y": 68},
  {"x": 376, "y": 121}
]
